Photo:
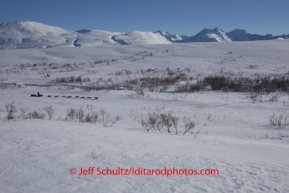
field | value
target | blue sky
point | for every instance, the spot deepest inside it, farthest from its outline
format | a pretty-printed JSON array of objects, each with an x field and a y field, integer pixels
[{"x": 186, "y": 17}]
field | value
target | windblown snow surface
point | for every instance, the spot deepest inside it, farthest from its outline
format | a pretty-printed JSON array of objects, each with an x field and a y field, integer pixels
[{"x": 231, "y": 133}]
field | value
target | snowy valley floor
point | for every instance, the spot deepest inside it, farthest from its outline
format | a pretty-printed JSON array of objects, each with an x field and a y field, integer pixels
[{"x": 231, "y": 132}]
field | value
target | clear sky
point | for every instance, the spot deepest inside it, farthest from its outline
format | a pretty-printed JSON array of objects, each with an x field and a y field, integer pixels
[{"x": 185, "y": 17}]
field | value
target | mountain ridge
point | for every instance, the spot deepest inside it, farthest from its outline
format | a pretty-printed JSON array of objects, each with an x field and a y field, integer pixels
[{"x": 29, "y": 34}]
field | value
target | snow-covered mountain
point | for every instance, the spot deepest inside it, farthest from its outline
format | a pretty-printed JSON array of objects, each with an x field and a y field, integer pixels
[
  {"x": 173, "y": 38},
  {"x": 32, "y": 34},
  {"x": 218, "y": 35},
  {"x": 87, "y": 37},
  {"x": 210, "y": 35},
  {"x": 242, "y": 35},
  {"x": 138, "y": 37},
  {"x": 27, "y": 34}
]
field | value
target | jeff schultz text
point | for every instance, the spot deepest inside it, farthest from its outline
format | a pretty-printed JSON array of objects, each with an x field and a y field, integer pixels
[{"x": 99, "y": 171}]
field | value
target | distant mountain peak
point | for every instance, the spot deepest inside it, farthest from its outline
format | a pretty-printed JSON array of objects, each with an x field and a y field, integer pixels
[
  {"x": 210, "y": 35},
  {"x": 84, "y": 31},
  {"x": 217, "y": 29}
]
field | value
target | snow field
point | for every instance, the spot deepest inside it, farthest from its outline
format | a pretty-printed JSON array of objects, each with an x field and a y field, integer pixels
[{"x": 230, "y": 135}]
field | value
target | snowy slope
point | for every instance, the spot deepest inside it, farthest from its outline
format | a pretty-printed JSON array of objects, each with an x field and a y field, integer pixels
[
  {"x": 32, "y": 34},
  {"x": 95, "y": 38},
  {"x": 138, "y": 37},
  {"x": 211, "y": 35},
  {"x": 230, "y": 135},
  {"x": 173, "y": 38}
]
